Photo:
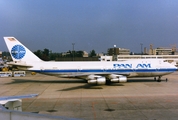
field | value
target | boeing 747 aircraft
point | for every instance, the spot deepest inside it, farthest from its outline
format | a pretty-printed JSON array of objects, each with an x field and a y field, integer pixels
[{"x": 94, "y": 72}]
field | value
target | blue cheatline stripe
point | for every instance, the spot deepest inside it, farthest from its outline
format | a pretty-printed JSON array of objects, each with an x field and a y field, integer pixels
[{"x": 105, "y": 71}]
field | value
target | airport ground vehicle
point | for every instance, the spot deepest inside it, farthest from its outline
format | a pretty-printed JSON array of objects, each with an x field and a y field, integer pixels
[
  {"x": 13, "y": 74},
  {"x": 33, "y": 73},
  {"x": 19, "y": 73},
  {"x": 6, "y": 74}
]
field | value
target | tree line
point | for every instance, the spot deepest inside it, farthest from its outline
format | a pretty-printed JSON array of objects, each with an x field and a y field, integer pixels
[{"x": 48, "y": 55}]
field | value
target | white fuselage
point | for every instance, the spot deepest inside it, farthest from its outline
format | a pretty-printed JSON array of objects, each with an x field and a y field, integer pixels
[{"x": 131, "y": 68}]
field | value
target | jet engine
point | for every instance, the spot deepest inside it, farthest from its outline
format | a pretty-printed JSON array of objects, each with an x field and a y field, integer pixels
[
  {"x": 117, "y": 78},
  {"x": 97, "y": 80}
]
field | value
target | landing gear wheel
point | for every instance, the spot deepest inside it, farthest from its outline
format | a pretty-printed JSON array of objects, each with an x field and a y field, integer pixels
[
  {"x": 159, "y": 79},
  {"x": 108, "y": 82}
]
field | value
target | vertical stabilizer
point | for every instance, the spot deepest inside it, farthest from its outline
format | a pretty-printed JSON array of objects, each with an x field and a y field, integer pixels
[{"x": 18, "y": 51}]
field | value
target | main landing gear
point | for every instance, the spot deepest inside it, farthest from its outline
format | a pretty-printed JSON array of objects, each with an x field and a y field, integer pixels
[{"x": 159, "y": 79}]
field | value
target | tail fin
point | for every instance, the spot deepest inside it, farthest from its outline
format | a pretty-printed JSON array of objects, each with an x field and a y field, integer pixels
[{"x": 18, "y": 51}]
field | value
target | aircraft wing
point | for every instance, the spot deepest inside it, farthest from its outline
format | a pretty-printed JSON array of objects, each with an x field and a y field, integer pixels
[
  {"x": 9, "y": 98},
  {"x": 3, "y": 100},
  {"x": 78, "y": 75}
]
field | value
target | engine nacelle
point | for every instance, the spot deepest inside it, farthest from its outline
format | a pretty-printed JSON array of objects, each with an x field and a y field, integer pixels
[
  {"x": 97, "y": 80},
  {"x": 118, "y": 78}
]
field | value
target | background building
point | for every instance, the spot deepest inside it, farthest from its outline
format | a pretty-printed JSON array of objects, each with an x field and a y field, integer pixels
[
  {"x": 106, "y": 58},
  {"x": 85, "y": 54},
  {"x": 163, "y": 51},
  {"x": 118, "y": 51}
]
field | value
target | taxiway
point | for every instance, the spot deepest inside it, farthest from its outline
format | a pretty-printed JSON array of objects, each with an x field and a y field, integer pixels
[{"x": 139, "y": 98}]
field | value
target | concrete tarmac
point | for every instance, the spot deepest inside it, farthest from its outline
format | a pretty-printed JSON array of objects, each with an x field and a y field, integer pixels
[{"x": 139, "y": 98}]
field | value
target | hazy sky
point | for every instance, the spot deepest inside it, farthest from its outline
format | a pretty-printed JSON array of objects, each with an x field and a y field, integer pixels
[{"x": 90, "y": 24}]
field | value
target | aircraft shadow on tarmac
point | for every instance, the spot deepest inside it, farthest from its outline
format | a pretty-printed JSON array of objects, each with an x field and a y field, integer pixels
[
  {"x": 88, "y": 86},
  {"x": 85, "y": 86},
  {"x": 143, "y": 80},
  {"x": 17, "y": 81}
]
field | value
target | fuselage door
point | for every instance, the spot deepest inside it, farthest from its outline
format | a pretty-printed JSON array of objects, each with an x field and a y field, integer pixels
[
  {"x": 79, "y": 69},
  {"x": 41, "y": 68}
]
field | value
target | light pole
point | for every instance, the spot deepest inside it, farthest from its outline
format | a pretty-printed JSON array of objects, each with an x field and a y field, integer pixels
[{"x": 73, "y": 44}]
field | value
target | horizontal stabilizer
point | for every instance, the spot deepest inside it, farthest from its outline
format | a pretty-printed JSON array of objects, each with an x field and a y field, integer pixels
[{"x": 19, "y": 64}]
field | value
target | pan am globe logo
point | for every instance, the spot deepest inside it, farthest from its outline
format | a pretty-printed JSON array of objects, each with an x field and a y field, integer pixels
[{"x": 18, "y": 51}]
